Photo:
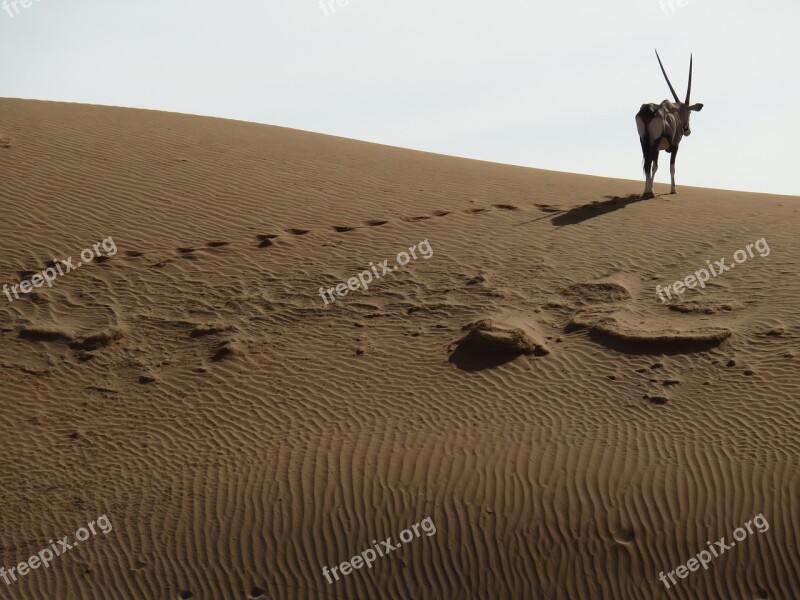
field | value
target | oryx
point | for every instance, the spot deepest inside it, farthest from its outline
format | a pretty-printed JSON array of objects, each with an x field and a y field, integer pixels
[{"x": 662, "y": 127}]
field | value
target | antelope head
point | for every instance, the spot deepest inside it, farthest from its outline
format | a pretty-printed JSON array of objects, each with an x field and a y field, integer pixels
[{"x": 684, "y": 108}]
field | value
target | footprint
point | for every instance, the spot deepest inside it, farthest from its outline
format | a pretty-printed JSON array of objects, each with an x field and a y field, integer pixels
[
  {"x": 477, "y": 211},
  {"x": 185, "y": 595},
  {"x": 187, "y": 253},
  {"x": 297, "y": 231},
  {"x": 656, "y": 399},
  {"x": 266, "y": 240},
  {"x": 376, "y": 223},
  {"x": 548, "y": 208},
  {"x": 225, "y": 350},
  {"x": 133, "y": 254},
  {"x": 257, "y": 592},
  {"x": 342, "y": 229},
  {"x": 217, "y": 244},
  {"x": 477, "y": 280},
  {"x": 441, "y": 213},
  {"x": 506, "y": 207},
  {"x": 415, "y": 219},
  {"x": 206, "y": 330}
]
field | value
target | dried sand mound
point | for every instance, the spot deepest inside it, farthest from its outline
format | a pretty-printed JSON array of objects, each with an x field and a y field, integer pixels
[
  {"x": 490, "y": 343},
  {"x": 89, "y": 342},
  {"x": 636, "y": 337}
]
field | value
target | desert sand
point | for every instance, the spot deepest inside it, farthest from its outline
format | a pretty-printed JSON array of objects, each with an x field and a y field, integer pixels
[{"x": 575, "y": 440}]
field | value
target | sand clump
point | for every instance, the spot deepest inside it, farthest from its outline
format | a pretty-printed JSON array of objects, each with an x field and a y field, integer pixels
[
  {"x": 491, "y": 342},
  {"x": 636, "y": 335}
]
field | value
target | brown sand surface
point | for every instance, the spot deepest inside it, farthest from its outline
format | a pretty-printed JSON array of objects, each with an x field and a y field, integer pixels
[{"x": 240, "y": 434}]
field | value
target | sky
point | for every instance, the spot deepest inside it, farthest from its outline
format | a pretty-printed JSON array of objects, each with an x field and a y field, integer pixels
[{"x": 553, "y": 85}]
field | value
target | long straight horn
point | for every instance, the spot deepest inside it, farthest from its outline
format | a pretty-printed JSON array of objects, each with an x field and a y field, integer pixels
[
  {"x": 689, "y": 91},
  {"x": 671, "y": 89}
]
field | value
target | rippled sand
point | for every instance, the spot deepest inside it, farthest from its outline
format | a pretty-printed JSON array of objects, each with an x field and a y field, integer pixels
[{"x": 240, "y": 434}]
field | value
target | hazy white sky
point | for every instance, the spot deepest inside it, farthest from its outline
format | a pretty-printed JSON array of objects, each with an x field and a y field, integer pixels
[{"x": 553, "y": 85}]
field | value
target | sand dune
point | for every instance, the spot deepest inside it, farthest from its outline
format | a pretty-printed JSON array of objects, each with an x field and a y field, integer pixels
[{"x": 240, "y": 433}]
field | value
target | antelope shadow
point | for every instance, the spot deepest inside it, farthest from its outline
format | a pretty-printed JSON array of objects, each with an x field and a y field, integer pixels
[{"x": 579, "y": 214}]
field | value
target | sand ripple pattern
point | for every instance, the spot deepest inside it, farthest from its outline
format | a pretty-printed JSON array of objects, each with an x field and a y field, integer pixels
[{"x": 240, "y": 434}]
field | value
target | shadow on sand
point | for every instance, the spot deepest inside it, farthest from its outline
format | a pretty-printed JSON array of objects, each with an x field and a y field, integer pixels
[{"x": 579, "y": 214}]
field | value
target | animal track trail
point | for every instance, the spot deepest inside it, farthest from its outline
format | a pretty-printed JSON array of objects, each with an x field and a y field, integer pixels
[{"x": 266, "y": 240}]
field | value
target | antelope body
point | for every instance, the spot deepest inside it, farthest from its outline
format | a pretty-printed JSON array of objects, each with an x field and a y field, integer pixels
[{"x": 662, "y": 127}]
